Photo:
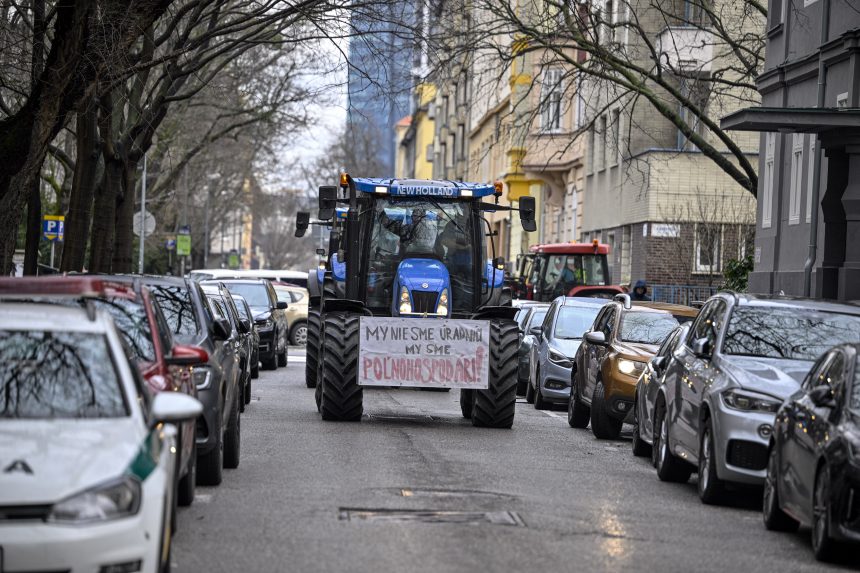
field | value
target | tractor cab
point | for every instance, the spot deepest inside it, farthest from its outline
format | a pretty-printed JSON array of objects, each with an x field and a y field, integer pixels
[{"x": 569, "y": 269}]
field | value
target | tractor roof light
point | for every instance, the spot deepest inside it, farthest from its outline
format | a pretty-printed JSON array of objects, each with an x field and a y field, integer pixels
[
  {"x": 466, "y": 193},
  {"x": 498, "y": 186},
  {"x": 596, "y": 244},
  {"x": 381, "y": 189},
  {"x": 344, "y": 179}
]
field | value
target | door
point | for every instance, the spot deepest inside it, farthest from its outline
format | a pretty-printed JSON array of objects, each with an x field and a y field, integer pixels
[
  {"x": 583, "y": 367},
  {"x": 599, "y": 353}
]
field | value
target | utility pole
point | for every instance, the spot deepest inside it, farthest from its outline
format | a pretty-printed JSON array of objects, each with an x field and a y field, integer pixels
[{"x": 142, "y": 217}]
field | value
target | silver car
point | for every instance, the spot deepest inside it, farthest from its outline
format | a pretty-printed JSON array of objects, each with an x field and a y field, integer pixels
[
  {"x": 557, "y": 341},
  {"x": 529, "y": 315},
  {"x": 647, "y": 389},
  {"x": 743, "y": 356}
]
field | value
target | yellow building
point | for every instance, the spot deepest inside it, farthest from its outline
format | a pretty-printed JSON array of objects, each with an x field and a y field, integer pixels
[{"x": 416, "y": 144}]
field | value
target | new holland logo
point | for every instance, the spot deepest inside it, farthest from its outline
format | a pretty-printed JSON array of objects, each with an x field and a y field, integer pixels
[
  {"x": 426, "y": 190},
  {"x": 18, "y": 466}
]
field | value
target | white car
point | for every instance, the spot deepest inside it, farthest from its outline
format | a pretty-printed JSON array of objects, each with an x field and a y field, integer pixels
[{"x": 87, "y": 456}]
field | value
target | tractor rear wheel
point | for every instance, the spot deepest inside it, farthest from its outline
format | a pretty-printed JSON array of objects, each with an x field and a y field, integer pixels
[
  {"x": 341, "y": 398},
  {"x": 312, "y": 348},
  {"x": 494, "y": 407}
]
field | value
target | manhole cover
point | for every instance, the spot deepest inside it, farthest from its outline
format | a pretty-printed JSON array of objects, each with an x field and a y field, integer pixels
[{"x": 509, "y": 518}]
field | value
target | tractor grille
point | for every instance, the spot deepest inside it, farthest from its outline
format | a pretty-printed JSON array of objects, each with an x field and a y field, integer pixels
[
  {"x": 424, "y": 301},
  {"x": 747, "y": 455}
]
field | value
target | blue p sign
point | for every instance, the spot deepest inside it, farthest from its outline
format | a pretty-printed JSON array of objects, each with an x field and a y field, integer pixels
[{"x": 53, "y": 227}]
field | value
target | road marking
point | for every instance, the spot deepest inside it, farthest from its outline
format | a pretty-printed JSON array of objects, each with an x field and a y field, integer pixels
[
  {"x": 297, "y": 359},
  {"x": 202, "y": 498},
  {"x": 552, "y": 414}
]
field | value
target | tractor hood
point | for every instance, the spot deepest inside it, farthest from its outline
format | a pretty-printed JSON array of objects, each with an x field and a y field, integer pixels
[{"x": 422, "y": 275}]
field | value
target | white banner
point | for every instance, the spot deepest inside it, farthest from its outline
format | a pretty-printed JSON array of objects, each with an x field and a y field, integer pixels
[{"x": 424, "y": 353}]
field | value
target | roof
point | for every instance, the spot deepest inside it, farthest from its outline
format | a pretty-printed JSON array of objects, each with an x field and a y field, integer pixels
[
  {"x": 783, "y": 301},
  {"x": 571, "y": 248},
  {"x": 423, "y": 187},
  {"x": 59, "y": 285},
  {"x": 38, "y": 316},
  {"x": 582, "y": 301},
  {"x": 792, "y": 119}
]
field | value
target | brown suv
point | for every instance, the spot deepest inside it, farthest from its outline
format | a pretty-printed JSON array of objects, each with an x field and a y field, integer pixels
[{"x": 610, "y": 359}]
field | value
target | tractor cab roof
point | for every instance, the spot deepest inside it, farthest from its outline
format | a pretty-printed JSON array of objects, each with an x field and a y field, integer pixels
[
  {"x": 593, "y": 248},
  {"x": 422, "y": 188}
]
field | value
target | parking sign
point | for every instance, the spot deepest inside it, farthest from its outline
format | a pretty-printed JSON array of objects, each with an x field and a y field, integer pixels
[{"x": 53, "y": 227}]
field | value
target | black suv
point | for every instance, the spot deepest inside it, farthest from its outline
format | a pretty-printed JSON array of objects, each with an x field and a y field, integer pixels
[
  {"x": 189, "y": 315},
  {"x": 270, "y": 318}
]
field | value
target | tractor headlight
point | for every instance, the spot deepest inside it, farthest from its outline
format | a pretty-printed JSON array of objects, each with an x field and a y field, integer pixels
[
  {"x": 442, "y": 309},
  {"x": 405, "y": 304}
]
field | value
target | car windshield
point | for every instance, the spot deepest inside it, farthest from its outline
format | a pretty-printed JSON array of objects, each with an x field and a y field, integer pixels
[
  {"x": 176, "y": 305},
  {"x": 255, "y": 293},
  {"x": 45, "y": 374},
  {"x": 573, "y": 321},
  {"x": 537, "y": 317},
  {"x": 647, "y": 327},
  {"x": 791, "y": 333}
]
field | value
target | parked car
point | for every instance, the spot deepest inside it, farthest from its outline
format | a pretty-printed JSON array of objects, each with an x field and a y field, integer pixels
[
  {"x": 609, "y": 361},
  {"x": 528, "y": 316},
  {"x": 557, "y": 339},
  {"x": 743, "y": 356},
  {"x": 297, "y": 299},
  {"x": 247, "y": 318},
  {"x": 647, "y": 388},
  {"x": 269, "y": 315},
  {"x": 90, "y": 485},
  {"x": 190, "y": 316},
  {"x": 164, "y": 365},
  {"x": 813, "y": 470}
]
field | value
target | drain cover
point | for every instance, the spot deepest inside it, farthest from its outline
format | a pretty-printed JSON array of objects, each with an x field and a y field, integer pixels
[{"x": 431, "y": 516}]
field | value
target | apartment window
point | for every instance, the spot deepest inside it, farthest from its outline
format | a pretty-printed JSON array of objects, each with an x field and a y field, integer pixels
[
  {"x": 600, "y": 136},
  {"x": 550, "y": 100},
  {"x": 616, "y": 136},
  {"x": 776, "y": 13},
  {"x": 580, "y": 103},
  {"x": 694, "y": 12},
  {"x": 707, "y": 248},
  {"x": 445, "y": 109},
  {"x": 608, "y": 18},
  {"x": 767, "y": 190},
  {"x": 698, "y": 93},
  {"x": 810, "y": 178},
  {"x": 443, "y": 154},
  {"x": 796, "y": 188},
  {"x": 591, "y": 150},
  {"x": 428, "y": 154}
]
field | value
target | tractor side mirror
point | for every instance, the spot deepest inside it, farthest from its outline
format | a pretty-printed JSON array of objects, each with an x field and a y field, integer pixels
[
  {"x": 527, "y": 214},
  {"x": 303, "y": 219},
  {"x": 328, "y": 202}
]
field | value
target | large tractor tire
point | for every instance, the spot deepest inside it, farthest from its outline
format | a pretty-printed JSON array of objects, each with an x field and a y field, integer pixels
[
  {"x": 494, "y": 407},
  {"x": 342, "y": 397},
  {"x": 312, "y": 348}
]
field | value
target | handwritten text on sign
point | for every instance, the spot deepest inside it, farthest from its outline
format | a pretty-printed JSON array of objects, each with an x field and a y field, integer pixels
[{"x": 424, "y": 353}]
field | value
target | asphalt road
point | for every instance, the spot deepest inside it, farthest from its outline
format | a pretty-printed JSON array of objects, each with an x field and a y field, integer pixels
[{"x": 317, "y": 496}]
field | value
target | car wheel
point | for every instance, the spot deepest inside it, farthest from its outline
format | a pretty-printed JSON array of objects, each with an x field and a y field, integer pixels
[
  {"x": 299, "y": 334},
  {"x": 246, "y": 394},
  {"x": 540, "y": 403},
  {"x": 824, "y": 546},
  {"x": 210, "y": 465},
  {"x": 578, "y": 414},
  {"x": 641, "y": 448},
  {"x": 255, "y": 370},
  {"x": 282, "y": 359},
  {"x": 232, "y": 440},
  {"x": 711, "y": 488},
  {"x": 603, "y": 426},
  {"x": 185, "y": 490},
  {"x": 775, "y": 519},
  {"x": 669, "y": 467},
  {"x": 530, "y": 393}
]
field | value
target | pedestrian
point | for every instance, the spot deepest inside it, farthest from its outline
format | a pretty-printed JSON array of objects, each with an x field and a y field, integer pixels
[{"x": 640, "y": 291}]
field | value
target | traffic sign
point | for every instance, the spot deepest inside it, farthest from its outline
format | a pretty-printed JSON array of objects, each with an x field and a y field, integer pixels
[
  {"x": 148, "y": 223},
  {"x": 53, "y": 227},
  {"x": 170, "y": 244},
  {"x": 183, "y": 242}
]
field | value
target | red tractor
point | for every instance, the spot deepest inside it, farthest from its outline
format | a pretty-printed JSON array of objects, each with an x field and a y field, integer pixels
[{"x": 572, "y": 269}]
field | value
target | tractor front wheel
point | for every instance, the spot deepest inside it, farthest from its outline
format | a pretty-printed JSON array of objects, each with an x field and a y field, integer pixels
[
  {"x": 341, "y": 396},
  {"x": 312, "y": 348},
  {"x": 494, "y": 407}
]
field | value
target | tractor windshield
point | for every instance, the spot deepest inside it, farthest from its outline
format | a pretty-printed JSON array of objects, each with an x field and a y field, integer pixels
[
  {"x": 425, "y": 228},
  {"x": 564, "y": 272}
]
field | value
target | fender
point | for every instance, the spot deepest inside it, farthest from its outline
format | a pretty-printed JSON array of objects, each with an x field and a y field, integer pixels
[
  {"x": 345, "y": 305},
  {"x": 490, "y": 312},
  {"x": 314, "y": 290}
]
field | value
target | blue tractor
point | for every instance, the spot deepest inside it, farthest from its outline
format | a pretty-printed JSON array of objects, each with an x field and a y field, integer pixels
[{"x": 410, "y": 251}]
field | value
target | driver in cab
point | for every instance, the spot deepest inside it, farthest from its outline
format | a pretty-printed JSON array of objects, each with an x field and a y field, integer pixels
[{"x": 416, "y": 234}]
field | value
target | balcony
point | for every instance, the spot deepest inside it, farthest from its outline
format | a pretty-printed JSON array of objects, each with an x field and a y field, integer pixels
[{"x": 685, "y": 48}]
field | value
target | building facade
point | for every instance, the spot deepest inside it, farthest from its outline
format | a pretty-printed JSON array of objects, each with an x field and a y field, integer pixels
[{"x": 808, "y": 218}]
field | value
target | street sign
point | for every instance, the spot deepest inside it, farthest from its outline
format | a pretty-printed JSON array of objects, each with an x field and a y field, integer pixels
[
  {"x": 233, "y": 259},
  {"x": 148, "y": 223},
  {"x": 170, "y": 244},
  {"x": 53, "y": 227},
  {"x": 183, "y": 244}
]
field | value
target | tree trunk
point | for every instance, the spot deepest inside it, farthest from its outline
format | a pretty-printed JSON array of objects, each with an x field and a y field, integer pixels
[
  {"x": 104, "y": 217},
  {"x": 122, "y": 256},
  {"x": 33, "y": 228},
  {"x": 83, "y": 191}
]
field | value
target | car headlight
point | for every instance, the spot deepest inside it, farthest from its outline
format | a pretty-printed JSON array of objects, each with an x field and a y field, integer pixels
[
  {"x": 750, "y": 401},
  {"x": 111, "y": 500},
  {"x": 202, "y": 377},
  {"x": 558, "y": 358},
  {"x": 630, "y": 366}
]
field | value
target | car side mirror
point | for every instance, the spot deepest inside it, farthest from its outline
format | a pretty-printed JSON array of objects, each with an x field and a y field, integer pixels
[
  {"x": 328, "y": 202},
  {"x": 596, "y": 337},
  {"x": 822, "y": 397},
  {"x": 186, "y": 355},
  {"x": 536, "y": 330},
  {"x": 658, "y": 363},
  {"x": 527, "y": 214},
  {"x": 282, "y": 305},
  {"x": 173, "y": 407},
  {"x": 245, "y": 325},
  {"x": 303, "y": 219},
  {"x": 221, "y": 329},
  {"x": 702, "y": 348}
]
